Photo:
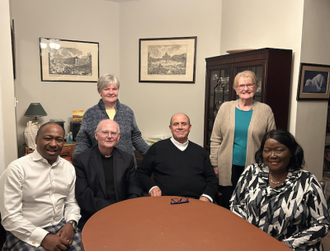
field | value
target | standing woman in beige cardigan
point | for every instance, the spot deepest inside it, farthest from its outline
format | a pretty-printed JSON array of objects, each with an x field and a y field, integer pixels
[{"x": 237, "y": 133}]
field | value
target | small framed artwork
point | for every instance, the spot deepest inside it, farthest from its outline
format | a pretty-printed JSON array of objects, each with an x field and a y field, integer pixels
[
  {"x": 168, "y": 60},
  {"x": 313, "y": 82},
  {"x": 68, "y": 60},
  {"x": 13, "y": 47}
]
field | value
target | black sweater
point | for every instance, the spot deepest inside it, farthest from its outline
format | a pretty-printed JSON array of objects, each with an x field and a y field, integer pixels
[{"x": 187, "y": 173}]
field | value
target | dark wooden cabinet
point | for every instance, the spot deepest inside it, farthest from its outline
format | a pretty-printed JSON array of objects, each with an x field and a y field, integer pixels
[{"x": 273, "y": 70}]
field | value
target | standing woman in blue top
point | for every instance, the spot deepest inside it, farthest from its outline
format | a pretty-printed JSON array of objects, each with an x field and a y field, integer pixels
[
  {"x": 237, "y": 133},
  {"x": 109, "y": 107}
]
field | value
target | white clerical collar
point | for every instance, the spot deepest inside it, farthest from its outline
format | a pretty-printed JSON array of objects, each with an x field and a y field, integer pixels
[{"x": 180, "y": 146}]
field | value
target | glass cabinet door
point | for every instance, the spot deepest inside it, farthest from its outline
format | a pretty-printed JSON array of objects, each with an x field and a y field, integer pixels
[
  {"x": 258, "y": 70},
  {"x": 218, "y": 94}
]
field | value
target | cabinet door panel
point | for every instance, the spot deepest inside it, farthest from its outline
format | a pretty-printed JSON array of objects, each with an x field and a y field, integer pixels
[{"x": 219, "y": 91}]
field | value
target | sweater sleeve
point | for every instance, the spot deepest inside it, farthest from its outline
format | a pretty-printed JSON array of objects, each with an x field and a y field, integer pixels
[
  {"x": 216, "y": 137},
  {"x": 271, "y": 121},
  {"x": 137, "y": 140},
  {"x": 146, "y": 168}
]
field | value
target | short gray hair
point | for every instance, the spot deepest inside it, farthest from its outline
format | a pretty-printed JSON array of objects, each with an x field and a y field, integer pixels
[
  {"x": 246, "y": 74},
  {"x": 98, "y": 125},
  {"x": 180, "y": 113},
  {"x": 106, "y": 80}
]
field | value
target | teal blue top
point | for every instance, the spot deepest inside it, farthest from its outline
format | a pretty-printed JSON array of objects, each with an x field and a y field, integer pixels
[{"x": 242, "y": 122}]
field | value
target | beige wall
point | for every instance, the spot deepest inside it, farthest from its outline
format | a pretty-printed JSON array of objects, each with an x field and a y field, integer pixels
[
  {"x": 219, "y": 26},
  {"x": 302, "y": 26},
  {"x": 311, "y": 115},
  {"x": 265, "y": 23},
  {"x": 154, "y": 104},
  {"x": 85, "y": 20},
  {"x": 101, "y": 21},
  {"x": 8, "y": 141}
]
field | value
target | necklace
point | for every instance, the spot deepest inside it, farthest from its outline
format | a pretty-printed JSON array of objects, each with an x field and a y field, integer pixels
[
  {"x": 240, "y": 107},
  {"x": 276, "y": 182}
]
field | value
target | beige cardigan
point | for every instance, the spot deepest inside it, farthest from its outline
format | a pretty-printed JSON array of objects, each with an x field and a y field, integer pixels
[{"x": 222, "y": 138}]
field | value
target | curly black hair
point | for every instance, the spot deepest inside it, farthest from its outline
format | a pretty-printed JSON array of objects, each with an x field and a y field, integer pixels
[{"x": 297, "y": 160}]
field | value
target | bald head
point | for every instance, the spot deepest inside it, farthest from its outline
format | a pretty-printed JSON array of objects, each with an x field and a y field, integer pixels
[
  {"x": 105, "y": 122},
  {"x": 179, "y": 114},
  {"x": 180, "y": 127}
]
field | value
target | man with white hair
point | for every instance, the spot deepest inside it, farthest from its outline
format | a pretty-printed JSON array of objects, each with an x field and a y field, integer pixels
[{"x": 105, "y": 174}]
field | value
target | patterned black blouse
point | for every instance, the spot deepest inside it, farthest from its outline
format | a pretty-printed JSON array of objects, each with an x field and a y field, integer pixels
[{"x": 295, "y": 212}]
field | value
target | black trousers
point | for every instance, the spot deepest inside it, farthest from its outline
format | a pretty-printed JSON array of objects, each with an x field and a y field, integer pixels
[{"x": 227, "y": 191}]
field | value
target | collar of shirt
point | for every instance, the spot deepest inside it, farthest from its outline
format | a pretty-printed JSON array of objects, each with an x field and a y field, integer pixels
[
  {"x": 180, "y": 146},
  {"x": 36, "y": 156}
]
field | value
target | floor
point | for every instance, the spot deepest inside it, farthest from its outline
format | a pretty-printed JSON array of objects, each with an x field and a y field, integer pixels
[{"x": 326, "y": 242}]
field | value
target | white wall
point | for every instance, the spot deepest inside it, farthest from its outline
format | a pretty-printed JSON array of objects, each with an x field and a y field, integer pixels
[
  {"x": 312, "y": 115},
  {"x": 84, "y": 20},
  {"x": 265, "y": 23},
  {"x": 153, "y": 103},
  {"x": 118, "y": 27},
  {"x": 8, "y": 140},
  {"x": 302, "y": 26},
  {"x": 219, "y": 26}
]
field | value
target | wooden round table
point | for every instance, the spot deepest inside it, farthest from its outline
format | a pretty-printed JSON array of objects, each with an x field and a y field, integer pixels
[{"x": 153, "y": 224}]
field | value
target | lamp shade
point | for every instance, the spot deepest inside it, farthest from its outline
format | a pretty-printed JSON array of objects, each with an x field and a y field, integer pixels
[{"x": 35, "y": 110}]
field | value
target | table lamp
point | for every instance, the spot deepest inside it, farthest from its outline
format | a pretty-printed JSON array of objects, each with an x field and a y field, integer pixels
[{"x": 35, "y": 110}]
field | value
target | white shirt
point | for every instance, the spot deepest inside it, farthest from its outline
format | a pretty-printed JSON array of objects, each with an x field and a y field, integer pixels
[
  {"x": 35, "y": 195},
  {"x": 182, "y": 147}
]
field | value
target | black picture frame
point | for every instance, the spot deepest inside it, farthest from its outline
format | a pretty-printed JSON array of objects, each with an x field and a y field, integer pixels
[
  {"x": 13, "y": 51},
  {"x": 167, "y": 60},
  {"x": 313, "y": 82},
  {"x": 63, "y": 60}
]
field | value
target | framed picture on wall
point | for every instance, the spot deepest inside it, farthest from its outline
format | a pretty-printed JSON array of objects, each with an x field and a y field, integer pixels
[
  {"x": 13, "y": 47},
  {"x": 68, "y": 60},
  {"x": 313, "y": 82},
  {"x": 167, "y": 60}
]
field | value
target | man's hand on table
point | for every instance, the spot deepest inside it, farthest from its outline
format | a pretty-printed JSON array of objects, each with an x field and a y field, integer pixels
[
  {"x": 155, "y": 192},
  {"x": 202, "y": 198}
]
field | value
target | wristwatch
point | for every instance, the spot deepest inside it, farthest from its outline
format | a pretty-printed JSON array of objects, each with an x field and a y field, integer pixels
[{"x": 74, "y": 225}]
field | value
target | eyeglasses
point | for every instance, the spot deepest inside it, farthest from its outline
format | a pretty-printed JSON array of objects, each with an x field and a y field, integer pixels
[
  {"x": 250, "y": 86},
  {"x": 106, "y": 134},
  {"x": 175, "y": 201}
]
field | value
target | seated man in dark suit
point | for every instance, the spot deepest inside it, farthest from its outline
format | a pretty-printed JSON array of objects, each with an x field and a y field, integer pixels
[
  {"x": 180, "y": 167},
  {"x": 105, "y": 174}
]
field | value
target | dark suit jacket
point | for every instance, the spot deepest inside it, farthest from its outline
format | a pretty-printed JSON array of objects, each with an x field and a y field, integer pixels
[{"x": 91, "y": 185}]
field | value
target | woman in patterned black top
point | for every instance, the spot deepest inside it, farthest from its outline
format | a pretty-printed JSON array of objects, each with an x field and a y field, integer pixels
[{"x": 280, "y": 198}]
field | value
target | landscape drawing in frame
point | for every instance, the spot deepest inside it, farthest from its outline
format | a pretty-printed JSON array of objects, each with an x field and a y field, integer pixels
[
  {"x": 167, "y": 60},
  {"x": 313, "y": 82},
  {"x": 68, "y": 60}
]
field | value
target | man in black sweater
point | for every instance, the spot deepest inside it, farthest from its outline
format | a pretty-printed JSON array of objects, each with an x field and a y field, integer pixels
[{"x": 180, "y": 167}]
